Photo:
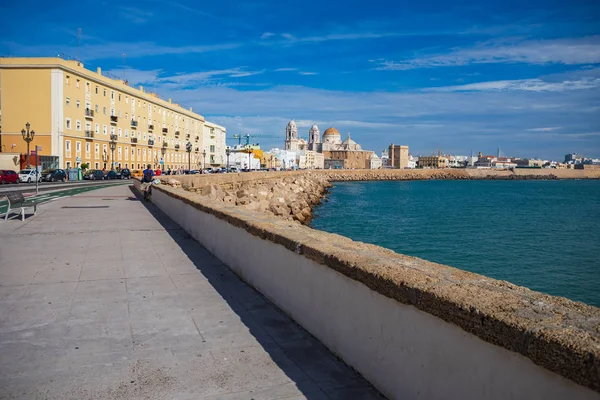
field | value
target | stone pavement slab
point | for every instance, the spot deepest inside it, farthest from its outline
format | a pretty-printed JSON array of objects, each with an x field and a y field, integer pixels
[{"x": 104, "y": 297}]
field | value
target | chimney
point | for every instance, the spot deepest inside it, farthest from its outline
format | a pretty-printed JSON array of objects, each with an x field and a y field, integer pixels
[{"x": 99, "y": 71}]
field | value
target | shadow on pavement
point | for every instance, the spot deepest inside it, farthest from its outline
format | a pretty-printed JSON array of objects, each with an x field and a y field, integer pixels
[{"x": 317, "y": 373}]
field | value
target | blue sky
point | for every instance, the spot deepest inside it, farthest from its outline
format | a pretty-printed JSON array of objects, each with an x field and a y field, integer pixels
[{"x": 458, "y": 76}]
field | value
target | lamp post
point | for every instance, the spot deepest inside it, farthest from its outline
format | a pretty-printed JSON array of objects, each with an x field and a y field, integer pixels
[
  {"x": 188, "y": 148},
  {"x": 163, "y": 151},
  {"x": 227, "y": 152},
  {"x": 204, "y": 159},
  {"x": 28, "y": 137},
  {"x": 113, "y": 146}
]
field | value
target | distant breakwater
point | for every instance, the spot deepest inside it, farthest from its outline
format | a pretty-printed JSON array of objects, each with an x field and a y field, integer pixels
[{"x": 292, "y": 195}]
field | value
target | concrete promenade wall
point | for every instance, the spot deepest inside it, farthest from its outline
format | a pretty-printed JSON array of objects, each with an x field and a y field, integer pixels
[{"x": 415, "y": 329}]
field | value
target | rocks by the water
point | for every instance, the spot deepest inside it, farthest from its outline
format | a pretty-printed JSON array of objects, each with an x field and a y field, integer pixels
[{"x": 293, "y": 197}]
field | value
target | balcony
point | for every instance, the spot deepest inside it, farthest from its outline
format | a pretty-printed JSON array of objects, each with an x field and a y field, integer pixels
[
  {"x": 89, "y": 113},
  {"x": 187, "y": 136},
  {"x": 134, "y": 140},
  {"x": 197, "y": 138},
  {"x": 150, "y": 142},
  {"x": 165, "y": 130},
  {"x": 150, "y": 127},
  {"x": 176, "y": 147},
  {"x": 134, "y": 124},
  {"x": 197, "y": 149},
  {"x": 89, "y": 134},
  {"x": 176, "y": 133},
  {"x": 165, "y": 144},
  {"x": 114, "y": 119},
  {"x": 113, "y": 138}
]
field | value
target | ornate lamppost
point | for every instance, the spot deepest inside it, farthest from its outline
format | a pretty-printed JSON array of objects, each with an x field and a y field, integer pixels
[
  {"x": 188, "y": 148},
  {"x": 163, "y": 151},
  {"x": 227, "y": 152},
  {"x": 113, "y": 146},
  {"x": 28, "y": 137},
  {"x": 204, "y": 159}
]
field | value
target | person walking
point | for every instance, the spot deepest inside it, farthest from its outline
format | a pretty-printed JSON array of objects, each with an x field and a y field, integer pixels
[{"x": 147, "y": 176}]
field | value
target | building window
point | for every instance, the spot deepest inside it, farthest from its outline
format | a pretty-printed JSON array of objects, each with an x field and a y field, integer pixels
[
  {"x": 126, "y": 153},
  {"x": 104, "y": 90},
  {"x": 119, "y": 96},
  {"x": 78, "y": 147},
  {"x": 67, "y": 145},
  {"x": 104, "y": 130},
  {"x": 68, "y": 101},
  {"x": 78, "y": 125},
  {"x": 96, "y": 152},
  {"x": 67, "y": 79},
  {"x": 97, "y": 165},
  {"x": 120, "y": 132},
  {"x": 87, "y": 87},
  {"x": 112, "y": 94},
  {"x": 68, "y": 165},
  {"x": 96, "y": 107},
  {"x": 104, "y": 110},
  {"x": 77, "y": 83},
  {"x": 112, "y": 112},
  {"x": 96, "y": 89},
  {"x": 127, "y": 99},
  {"x": 112, "y": 130},
  {"x": 77, "y": 103},
  {"x": 68, "y": 123}
]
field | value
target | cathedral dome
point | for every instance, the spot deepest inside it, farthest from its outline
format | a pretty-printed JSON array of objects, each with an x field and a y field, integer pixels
[
  {"x": 292, "y": 123},
  {"x": 331, "y": 132}
]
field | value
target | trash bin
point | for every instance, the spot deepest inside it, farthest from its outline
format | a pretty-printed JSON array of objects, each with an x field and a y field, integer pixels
[{"x": 79, "y": 174}]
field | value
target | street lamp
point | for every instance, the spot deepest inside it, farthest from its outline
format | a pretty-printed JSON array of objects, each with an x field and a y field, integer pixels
[
  {"x": 188, "y": 148},
  {"x": 113, "y": 146},
  {"x": 163, "y": 151},
  {"x": 28, "y": 137},
  {"x": 227, "y": 152},
  {"x": 204, "y": 159}
]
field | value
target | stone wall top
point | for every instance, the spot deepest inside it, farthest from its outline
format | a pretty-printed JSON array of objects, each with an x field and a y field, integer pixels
[{"x": 558, "y": 334}]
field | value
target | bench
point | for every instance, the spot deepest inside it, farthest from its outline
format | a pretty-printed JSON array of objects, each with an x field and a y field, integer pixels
[{"x": 16, "y": 200}]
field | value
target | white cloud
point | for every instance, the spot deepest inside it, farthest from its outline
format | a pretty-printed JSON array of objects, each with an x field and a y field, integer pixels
[
  {"x": 535, "y": 85},
  {"x": 559, "y": 51},
  {"x": 307, "y": 73},
  {"x": 267, "y": 35},
  {"x": 548, "y": 129},
  {"x": 286, "y": 69}
]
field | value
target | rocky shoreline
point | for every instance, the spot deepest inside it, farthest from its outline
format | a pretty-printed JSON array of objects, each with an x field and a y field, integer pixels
[{"x": 293, "y": 196}]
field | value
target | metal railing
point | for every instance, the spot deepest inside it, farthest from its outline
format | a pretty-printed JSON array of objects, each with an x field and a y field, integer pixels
[
  {"x": 89, "y": 133},
  {"x": 89, "y": 113},
  {"x": 114, "y": 118}
]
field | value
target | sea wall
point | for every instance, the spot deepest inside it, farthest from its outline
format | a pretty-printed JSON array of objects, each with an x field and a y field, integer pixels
[
  {"x": 292, "y": 195},
  {"x": 415, "y": 329}
]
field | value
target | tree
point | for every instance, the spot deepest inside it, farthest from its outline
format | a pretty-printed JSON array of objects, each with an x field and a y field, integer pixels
[{"x": 85, "y": 166}]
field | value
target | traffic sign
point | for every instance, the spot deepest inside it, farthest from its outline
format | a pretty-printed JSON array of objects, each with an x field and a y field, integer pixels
[{"x": 38, "y": 148}]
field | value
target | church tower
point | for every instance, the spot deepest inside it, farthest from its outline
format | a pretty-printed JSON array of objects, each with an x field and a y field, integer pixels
[
  {"x": 314, "y": 138},
  {"x": 291, "y": 136}
]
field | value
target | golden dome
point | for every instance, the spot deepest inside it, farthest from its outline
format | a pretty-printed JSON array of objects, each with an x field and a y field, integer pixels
[{"x": 331, "y": 132}]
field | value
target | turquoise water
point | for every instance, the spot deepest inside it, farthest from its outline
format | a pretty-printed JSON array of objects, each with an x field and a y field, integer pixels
[{"x": 541, "y": 234}]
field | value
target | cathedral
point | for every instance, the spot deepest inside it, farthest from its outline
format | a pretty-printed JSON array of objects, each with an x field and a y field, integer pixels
[{"x": 337, "y": 153}]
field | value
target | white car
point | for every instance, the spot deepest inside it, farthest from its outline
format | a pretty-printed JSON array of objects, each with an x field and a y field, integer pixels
[{"x": 28, "y": 175}]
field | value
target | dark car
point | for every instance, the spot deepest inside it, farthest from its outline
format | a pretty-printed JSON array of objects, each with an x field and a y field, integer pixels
[
  {"x": 8, "y": 176},
  {"x": 112, "y": 175},
  {"x": 54, "y": 175},
  {"x": 94, "y": 174},
  {"x": 125, "y": 173}
]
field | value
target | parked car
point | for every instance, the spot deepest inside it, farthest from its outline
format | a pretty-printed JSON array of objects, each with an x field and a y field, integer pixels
[
  {"x": 125, "y": 173},
  {"x": 112, "y": 175},
  {"x": 93, "y": 174},
  {"x": 29, "y": 175},
  {"x": 54, "y": 175},
  {"x": 8, "y": 176}
]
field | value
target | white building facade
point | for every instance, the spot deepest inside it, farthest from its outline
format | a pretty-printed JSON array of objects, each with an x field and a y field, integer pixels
[{"x": 214, "y": 144}]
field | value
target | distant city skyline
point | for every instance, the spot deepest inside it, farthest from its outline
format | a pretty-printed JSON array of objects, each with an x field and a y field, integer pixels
[{"x": 459, "y": 77}]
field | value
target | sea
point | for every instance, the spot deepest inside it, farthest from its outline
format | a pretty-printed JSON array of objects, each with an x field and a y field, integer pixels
[{"x": 544, "y": 235}]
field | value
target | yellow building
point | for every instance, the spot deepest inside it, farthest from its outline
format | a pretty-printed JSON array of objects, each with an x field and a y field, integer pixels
[
  {"x": 76, "y": 113},
  {"x": 398, "y": 156}
]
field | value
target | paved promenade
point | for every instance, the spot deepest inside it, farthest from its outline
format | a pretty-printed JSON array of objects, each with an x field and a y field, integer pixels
[{"x": 103, "y": 297}]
